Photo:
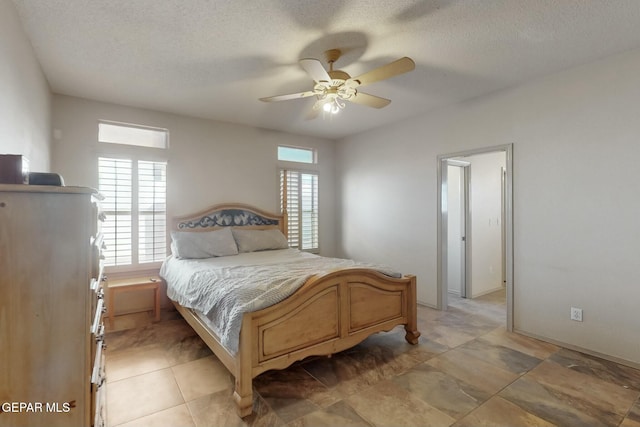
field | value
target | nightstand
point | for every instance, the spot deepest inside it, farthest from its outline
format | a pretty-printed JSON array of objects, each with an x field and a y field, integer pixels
[{"x": 134, "y": 284}]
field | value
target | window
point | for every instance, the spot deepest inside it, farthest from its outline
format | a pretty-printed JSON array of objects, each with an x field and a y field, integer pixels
[
  {"x": 126, "y": 134},
  {"x": 299, "y": 199},
  {"x": 135, "y": 207},
  {"x": 293, "y": 154}
]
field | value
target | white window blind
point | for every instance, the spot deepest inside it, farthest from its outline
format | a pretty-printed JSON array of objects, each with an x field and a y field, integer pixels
[
  {"x": 115, "y": 184},
  {"x": 299, "y": 197},
  {"x": 135, "y": 207},
  {"x": 152, "y": 211}
]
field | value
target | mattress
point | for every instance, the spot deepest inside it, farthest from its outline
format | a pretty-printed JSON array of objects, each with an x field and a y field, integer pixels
[{"x": 222, "y": 289}]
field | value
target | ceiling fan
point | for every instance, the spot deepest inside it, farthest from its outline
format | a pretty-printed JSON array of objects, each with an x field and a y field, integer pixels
[{"x": 333, "y": 87}]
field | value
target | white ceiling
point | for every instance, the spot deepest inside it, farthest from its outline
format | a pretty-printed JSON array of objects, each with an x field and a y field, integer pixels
[{"x": 214, "y": 58}]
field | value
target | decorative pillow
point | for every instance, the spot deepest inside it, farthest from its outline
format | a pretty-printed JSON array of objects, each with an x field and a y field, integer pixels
[
  {"x": 259, "y": 240},
  {"x": 203, "y": 244}
]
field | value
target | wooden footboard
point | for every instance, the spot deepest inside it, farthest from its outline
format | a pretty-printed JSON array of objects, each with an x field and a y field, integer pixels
[{"x": 330, "y": 313}]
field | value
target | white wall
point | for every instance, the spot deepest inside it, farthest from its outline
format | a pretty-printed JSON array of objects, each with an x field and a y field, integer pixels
[
  {"x": 208, "y": 162},
  {"x": 486, "y": 222},
  {"x": 576, "y": 198},
  {"x": 25, "y": 98}
]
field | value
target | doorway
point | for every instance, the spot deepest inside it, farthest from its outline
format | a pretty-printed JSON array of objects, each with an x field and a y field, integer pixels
[{"x": 461, "y": 269}]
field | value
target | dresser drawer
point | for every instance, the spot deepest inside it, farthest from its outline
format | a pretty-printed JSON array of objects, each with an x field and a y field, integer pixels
[
  {"x": 100, "y": 409},
  {"x": 99, "y": 385},
  {"x": 98, "y": 376}
]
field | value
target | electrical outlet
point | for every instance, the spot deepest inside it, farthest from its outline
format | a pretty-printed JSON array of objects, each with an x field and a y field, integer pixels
[{"x": 576, "y": 314}]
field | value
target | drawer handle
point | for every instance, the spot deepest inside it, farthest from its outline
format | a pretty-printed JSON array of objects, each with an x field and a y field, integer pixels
[
  {"x": 101, "y": 276},
  {"x": 96, "y": 320},
  {"x": 98, "y": 241},
  {"x": 100, "y": 334}
]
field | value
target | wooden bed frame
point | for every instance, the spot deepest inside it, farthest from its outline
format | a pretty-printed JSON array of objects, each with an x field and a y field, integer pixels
[{"x": 328, "y": 314}]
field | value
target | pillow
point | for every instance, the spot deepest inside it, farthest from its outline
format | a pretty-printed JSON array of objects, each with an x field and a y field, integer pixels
[
  {"x": 259, "y": 240},
  {"x": 203, "y": 244}
]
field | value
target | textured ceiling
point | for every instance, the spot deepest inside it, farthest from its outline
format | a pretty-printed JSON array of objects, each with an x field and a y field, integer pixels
[{"x": 215, "y": 58}]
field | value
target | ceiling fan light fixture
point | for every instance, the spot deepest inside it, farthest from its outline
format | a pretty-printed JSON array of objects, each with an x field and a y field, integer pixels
[{"x": 333, "y": 104}]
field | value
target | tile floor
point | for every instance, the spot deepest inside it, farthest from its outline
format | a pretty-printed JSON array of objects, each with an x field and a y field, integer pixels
[{"x": 466, "y": 371}]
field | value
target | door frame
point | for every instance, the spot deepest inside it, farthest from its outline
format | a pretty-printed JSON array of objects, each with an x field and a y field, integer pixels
[{"x": 442, "y": 224}]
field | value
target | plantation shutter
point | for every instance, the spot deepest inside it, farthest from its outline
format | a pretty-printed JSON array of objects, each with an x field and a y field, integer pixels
[
  {"x": 152, "y": 211},
  {"x": 299, "y": 199},
  {"x": 135, "y": 208},
  {"x": 115, "y": 184}
]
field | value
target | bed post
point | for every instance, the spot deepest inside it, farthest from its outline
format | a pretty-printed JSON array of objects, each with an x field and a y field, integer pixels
[
  {"x": 411, "y": 327},
  {"x": 243, "y": 394}
]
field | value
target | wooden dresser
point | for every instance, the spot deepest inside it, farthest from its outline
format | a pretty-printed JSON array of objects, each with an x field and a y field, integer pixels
[{"x": 51, "y": 305}]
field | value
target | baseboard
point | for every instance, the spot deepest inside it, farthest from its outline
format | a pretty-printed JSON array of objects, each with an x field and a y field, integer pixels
[
  {"x": 490, "y": 291},
  {"x": 579, "y": 349}
]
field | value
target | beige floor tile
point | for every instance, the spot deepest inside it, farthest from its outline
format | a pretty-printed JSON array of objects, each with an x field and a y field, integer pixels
[
  {"x": 135, "y": 361},
  {"x": 218, "y": 409},
  {"x": 604, "y": 369},
  {"x": 634, "y": 413},
  {"x": 521, "y": 343},
  {"x": 293, "y": 383},
  {"x": 500, "y": 356},
  {"x": 556, "y": 405},
  {"x": 498, "y": 412},
  {"x": 598, "y": 393},
  {"x": 628, "y": 422},
  {"x": 387, "y": 404},
  {"x": 473, "y": 371},
  {"x": 449, "y": 335},
  {"x": 442, "y": 391},
  {"x": 142, "y": 395},
  {"x": 339, "y": 414},
  {"x": 129, "y": 321},
  {"x": 201, "y": 377},
  {"x": 428, "y": 313},
  {"x": 178, "y": 416}
]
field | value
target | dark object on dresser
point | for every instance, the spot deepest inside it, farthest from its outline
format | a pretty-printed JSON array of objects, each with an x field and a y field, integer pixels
[
  {"x": 45, "y": 178},
  {"x": 14, "y": 169}
]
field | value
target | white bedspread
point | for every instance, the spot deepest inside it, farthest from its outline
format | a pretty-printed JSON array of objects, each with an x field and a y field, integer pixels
[{"x": 225, "y": 288}]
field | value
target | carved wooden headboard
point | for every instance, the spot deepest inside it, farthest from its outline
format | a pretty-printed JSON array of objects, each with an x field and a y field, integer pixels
[{"x": 230, "y": 215}]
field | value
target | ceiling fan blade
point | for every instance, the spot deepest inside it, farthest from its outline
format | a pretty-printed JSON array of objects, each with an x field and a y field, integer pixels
[
  {"x": 401, "y": 66},
  {"x": 287, "y": 97},
  {"x": 314, "y": 68},
  {"x": 369, "y": 100}
]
